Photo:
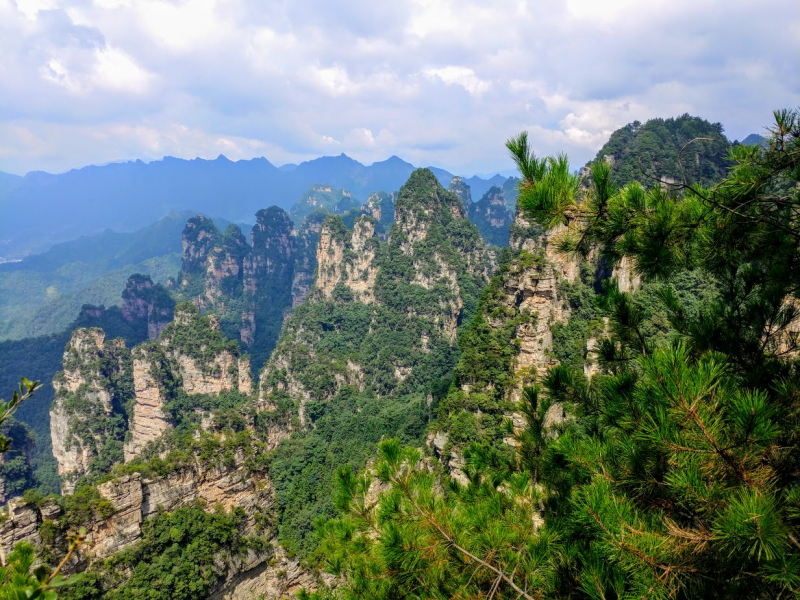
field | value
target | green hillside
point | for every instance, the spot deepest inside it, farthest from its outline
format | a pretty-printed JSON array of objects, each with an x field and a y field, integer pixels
[{"x": 658, "y": 149}]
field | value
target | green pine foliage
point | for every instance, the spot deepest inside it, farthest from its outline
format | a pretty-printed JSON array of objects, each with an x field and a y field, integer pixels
[{"x": 674, "y": 473}]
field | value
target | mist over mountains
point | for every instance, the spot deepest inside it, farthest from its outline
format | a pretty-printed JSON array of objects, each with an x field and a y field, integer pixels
[{"x": 41, "y": 209}]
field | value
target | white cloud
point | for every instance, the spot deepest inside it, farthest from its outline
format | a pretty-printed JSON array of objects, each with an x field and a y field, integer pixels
[
  {"x": 30, "y": 8},
  {"x": 440, "y": 82},
  {"x": 117, "y": 71},
  {"x": 463, "y": 76},
  {"x": 55, "y": 72}
]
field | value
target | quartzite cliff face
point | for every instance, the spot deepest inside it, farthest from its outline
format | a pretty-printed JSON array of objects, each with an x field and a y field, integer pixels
[
  {"x": 132, "y": 499},
  {"x": 248, "y": 285},
  {"x": 86, "y": 418},
  {"x": 348, "y": 258},
  {"x": 144, "y": 301},
  {"x": 191, "y": 356},
  {"x": 108, "y": 396}
]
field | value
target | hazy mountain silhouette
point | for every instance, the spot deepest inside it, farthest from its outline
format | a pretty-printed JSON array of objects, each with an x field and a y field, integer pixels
[{"x": 41, "y": 209}]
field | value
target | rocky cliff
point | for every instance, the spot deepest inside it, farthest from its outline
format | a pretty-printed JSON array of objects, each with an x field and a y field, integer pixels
[
  {"x": 248, "y": 285},
  {"x": 144, "y": 301},
  {"x": 347, "y": 258},
  {"x": 110, "y": 403},
  {"x": 459, "y": 187},
  {"x": 380, "y": 206},
  {"x": 87, "y": 416},
  {"x": 492, "y": 217},
  {"x": 420, "y": 282},
  {"x": 360, "y": 359},
  {"x": 121, "y": 506},
  {"x": 191, "y": 356},
  {"x": 305, "y": 266}
]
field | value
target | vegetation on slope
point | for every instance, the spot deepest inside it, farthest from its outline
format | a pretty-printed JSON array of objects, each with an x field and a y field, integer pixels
[
  {"x": 675, "y": 473},
  {"x": 393, "y": 355},
  {"x": 661, "y": 148}
]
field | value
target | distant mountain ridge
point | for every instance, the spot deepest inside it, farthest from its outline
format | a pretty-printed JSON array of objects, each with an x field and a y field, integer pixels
[{"x": 41, "y": 209}]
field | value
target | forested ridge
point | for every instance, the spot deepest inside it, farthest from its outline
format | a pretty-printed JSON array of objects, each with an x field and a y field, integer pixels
[
  {"x": 610, "y": 413},
  {"x": 672, "y": 471}
]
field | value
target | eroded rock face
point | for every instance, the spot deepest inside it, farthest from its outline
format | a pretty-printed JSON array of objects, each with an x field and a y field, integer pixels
[
  {"x": 432, "y": 265},
  {"x": 280, "y": 577},
  {"x": 144, "y": 301},
  {"x": 174, "y": 358},
  {"x": 81, "y": 422},
  {"x": 492, "y": 217},
  {"x": 224, "y": 269},
  {"x": 148, "y": 419},
  {"x": 627, "y": 279},
  {"x": 348, "y": 258},
  {"x": 133, "y": 499},
  {"x": 247, "y": 285},
  {"x": 22, "y": 525},
  {"x": 271, "y": 259},
  {"x": 199, "y": 237},
  {"x": 535, "y": 289},
  {"x": 425, "y": 218},
  {"x": 306, "y": 244},
  {"x": 462, "y": 190}
]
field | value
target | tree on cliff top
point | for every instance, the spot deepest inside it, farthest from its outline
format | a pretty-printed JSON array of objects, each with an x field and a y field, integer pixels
[{"x": 642, "y": 152}]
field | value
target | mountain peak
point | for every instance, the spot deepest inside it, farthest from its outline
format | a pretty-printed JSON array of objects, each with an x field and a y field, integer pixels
[{"x": 423, "y": 198}]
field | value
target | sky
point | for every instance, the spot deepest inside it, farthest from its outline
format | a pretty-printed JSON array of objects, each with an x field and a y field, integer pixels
[{"x": 436, "y": 82}]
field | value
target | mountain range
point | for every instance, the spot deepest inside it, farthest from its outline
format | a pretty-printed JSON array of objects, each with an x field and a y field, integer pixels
[{"x": 41, "y": 209}]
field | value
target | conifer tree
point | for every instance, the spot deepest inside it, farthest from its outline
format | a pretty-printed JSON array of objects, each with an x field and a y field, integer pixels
[{"x": 676, "y": 473}]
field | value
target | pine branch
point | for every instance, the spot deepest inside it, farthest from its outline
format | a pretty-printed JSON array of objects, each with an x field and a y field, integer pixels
[{"x": 451, "y": 541}]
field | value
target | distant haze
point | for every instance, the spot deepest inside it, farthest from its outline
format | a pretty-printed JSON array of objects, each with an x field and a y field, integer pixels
[{"x": 41, "y": 209}]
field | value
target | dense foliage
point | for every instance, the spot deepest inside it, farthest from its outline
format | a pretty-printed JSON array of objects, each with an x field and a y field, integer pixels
[
  {"x": 53, "y": 299},
  {"x": 345, "y": 431},
  {"x": 683, "y": 148},
  {"x": 674, "y": 474},
  {"x": 371, "y": 370}
]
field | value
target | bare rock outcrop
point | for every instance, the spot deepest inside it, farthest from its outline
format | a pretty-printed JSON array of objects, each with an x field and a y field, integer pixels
[
  {"x": 347, "y": 257},
  {"x": 305, "y": 266},
  {"x": 148, "y": 419},
  {"x": 192, "y": 353},
  {"x": 627, "y": 279},
  {"x": 144, "y": 301},
  {"x": 81, "y": 421},
  {"x": 132, "y": 499},
  {"x": 244, "y": 283}
]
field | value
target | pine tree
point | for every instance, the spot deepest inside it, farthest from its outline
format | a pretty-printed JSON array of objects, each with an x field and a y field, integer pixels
[{"x": 676, "y": 473}]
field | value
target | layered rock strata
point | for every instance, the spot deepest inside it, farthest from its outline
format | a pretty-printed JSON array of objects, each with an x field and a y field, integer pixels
[
  {"x": 142, "y": 300},
  {"x": 348, "y": 258},
  {"x": 133, "y": 499}
]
